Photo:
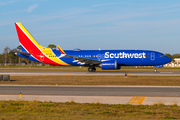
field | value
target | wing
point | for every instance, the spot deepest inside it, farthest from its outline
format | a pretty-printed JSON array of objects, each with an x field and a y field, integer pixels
[{"x": 84, "y": 61}]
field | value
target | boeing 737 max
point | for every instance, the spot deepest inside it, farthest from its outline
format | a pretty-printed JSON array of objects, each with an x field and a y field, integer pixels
[{"x": 106, "y": 59}]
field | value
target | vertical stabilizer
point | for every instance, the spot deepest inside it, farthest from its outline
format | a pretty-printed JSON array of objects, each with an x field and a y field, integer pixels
[
  {"x": 27, "y": 42},
  {"x": 38, "y": 52}
]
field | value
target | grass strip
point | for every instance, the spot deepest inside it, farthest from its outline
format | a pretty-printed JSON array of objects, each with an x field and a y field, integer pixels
[
  {"x": 22, "y": 110},
  {"x": 94, "y": 80}
]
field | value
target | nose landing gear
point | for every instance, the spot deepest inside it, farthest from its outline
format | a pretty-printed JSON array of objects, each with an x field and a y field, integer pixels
[
  {"x": 91, "y": 69},
  {"x": 155, "y": 70}
]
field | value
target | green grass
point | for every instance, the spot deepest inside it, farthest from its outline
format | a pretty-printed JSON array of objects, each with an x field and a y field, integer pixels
[{"x": 22, "y": 110}]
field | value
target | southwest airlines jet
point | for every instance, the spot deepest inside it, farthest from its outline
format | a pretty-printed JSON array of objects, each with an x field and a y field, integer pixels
[{"x": 106, "y": 59}]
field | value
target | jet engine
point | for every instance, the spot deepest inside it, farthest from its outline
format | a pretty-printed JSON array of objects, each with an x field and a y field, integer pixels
[{"x": 110, "y": 65}]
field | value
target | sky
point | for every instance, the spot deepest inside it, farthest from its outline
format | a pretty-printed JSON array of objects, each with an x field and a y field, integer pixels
[{"x": 94, "y": 24}]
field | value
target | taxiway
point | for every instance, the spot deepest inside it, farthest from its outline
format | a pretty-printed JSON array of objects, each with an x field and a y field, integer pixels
[
  {"x": 145, "y": 95},
  {"x": 163, "y": 91}
]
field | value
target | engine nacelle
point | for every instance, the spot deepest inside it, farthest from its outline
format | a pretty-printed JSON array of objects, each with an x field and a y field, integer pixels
[{"x": 110, "y": 65}]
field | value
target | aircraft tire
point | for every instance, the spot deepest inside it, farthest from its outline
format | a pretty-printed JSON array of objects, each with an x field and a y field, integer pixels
[
  {"x": 94, "y": 69},
  {"x": 90, "y": 69}
]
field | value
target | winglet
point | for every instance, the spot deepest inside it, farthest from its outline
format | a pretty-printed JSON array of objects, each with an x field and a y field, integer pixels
[{"x": 61, "y": 50}]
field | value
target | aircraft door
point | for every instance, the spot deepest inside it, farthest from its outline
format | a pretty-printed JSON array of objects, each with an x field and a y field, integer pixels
[{"x": 152, "y": 56}]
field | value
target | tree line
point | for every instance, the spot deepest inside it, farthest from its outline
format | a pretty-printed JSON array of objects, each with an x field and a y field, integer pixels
[
  {"x": 173, "y": 56},
  {"x": 8, "y": 57}
]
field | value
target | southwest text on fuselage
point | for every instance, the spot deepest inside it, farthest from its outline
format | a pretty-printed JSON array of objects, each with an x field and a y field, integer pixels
[{"x": 125, "y": 55}]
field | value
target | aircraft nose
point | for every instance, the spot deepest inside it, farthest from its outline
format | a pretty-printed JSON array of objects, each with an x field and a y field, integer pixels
[{"x": 168, "y": 59}]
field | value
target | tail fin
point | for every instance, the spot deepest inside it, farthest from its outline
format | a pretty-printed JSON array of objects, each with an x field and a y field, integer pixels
[
  {"x": 29, "y": 45},
  {"x": 61, "y": 50},
  {"x": 22, "y": 49},
  {"x": 27, "y": 42}
]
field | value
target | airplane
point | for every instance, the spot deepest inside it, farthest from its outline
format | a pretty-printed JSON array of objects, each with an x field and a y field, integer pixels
[{"x": 106, "y": 59}]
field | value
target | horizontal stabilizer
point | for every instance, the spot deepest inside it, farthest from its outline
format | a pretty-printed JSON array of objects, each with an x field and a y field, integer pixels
[{"x": 22, "y": 53}]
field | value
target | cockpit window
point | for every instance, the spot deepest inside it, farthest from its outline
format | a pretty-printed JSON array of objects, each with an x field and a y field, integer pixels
[{"x": 161, "y": 55}]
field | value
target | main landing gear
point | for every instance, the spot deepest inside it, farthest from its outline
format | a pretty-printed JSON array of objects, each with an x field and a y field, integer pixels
[{"x": 91, "y": 69}]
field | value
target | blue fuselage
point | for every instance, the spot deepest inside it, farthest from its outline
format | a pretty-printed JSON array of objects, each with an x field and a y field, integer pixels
[{"x": 123, "y": 57}]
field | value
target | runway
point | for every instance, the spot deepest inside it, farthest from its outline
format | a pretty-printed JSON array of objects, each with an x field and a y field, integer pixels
[
  {"x": 30, "y": 73},
  {"x": 91, "y": 90},
  {"x": 145, "y": 95},
  {"x": 93, "y": 94}
]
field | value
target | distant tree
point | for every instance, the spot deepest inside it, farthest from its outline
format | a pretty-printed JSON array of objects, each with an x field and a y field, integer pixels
[
  {"x": 27, "y": 61},
  {"x": 52, "y": 46},
  {"x": 6, "y": 50},
  {"x": 169, "y": 55},
  {"x": 11, "y": 57},
  {"x": 176, "y": 55},
  {"x": 173, "y": 56},
  {"x": 1, "y": 58},
  {"x": 19, "y": 49}
]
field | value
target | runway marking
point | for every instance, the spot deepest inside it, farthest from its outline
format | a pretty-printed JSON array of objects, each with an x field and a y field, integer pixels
[
  {"x": 166, "y": 72},
  {"x": 129, "y": 74},
  {"x": 68, "y": 74},
  {"x": 136, "y": 100}
]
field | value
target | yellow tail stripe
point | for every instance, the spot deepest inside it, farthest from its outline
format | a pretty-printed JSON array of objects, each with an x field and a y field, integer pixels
[
  {"x": 41, "y": 48},
  {"x": 136, "y": 100},
  {"x": 27, "y": 33},
  {"x": 61, "y": 50}
]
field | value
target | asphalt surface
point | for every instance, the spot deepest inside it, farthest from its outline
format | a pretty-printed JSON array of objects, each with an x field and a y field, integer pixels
[
  {"x": 30, "y": 73},
  {"x": 91, "y": 90}
]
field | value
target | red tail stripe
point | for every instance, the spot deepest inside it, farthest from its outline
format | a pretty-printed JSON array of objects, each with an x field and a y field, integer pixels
[{"x": 31, "y": 48}]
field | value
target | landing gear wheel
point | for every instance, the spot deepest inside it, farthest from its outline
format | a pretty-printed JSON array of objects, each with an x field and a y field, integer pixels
[
  {"x": 91, "y": 69},
  {"x": 155, "y": 70},
  {"x": 94, "y": 69}
]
